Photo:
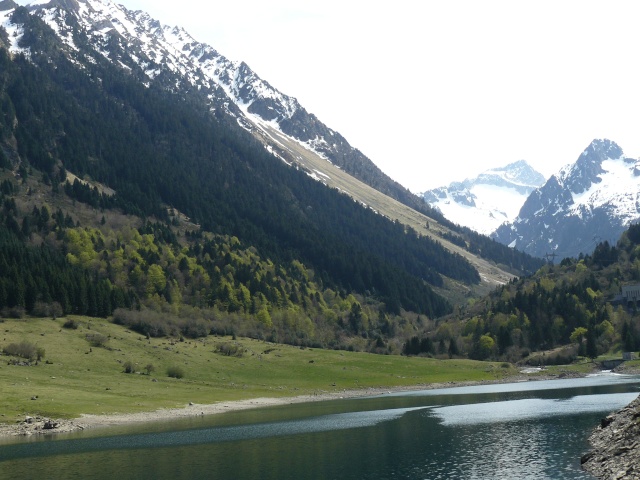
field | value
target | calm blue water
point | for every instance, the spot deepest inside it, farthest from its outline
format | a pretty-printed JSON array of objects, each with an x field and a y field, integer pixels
[{"x": 530, "y": 430}]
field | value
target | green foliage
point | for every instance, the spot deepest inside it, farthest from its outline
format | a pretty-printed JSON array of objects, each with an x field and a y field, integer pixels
[
  {"x": 264, "y": 317},
  {"x": 175, "y": 371},
  {"x": 578, "y": 335},
  {"x": 633, "y": 234},
  {"x": 25, "y": 350},
  {"x": 486, "y": 347},
  {"x": 218, "y": 175},
  {"x": 417, "y": 346},
  {"x": 32, "y": 274},
  {"x": 97, "y": 339},
  {"x": 275, "y": 255},
  {"x": 562, "y": 304},
  {"x": 229, "y": 349},
  {"x": 128, "y": 367},
  {"x": 488, "y": 248}
]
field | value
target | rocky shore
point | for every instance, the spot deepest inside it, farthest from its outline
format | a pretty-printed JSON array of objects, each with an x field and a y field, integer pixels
[{"x": 616, "y": 445}]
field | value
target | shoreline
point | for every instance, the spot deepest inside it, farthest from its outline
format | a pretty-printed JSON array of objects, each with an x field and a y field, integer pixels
[
  {"x": 615, "y": 452},
  {"x": 46, "y": 426}
]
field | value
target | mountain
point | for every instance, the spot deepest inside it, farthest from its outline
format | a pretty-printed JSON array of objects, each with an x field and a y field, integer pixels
[
  {"x": 487, "y": 201},
  {"x": 144, "y": 192},
  {"x": 169, "y": 58},
  {"x": 592, "y": 200}
]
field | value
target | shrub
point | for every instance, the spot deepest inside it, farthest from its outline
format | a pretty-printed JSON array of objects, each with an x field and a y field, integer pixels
[
  {"x": 147, "y": 322},
  {"x": 25, "y": 350},
  {"x": 149, "y": 369},
  {"x": 564, "y": 356},
  {"x": 97, "y": 339},
  {"x": 72, "y": 324},
  {"x": 128, "y": 367},
  {"x": 161, "y": 324},
  {"x": 175, "y": 371},
  {"x": 41, "y": 309},
  {"x": 229, "y": 349}
]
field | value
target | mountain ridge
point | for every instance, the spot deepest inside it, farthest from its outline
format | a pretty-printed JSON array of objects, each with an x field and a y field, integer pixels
[
  {"x": 255, "y": 97},
  {"x": 344, "y": 170},
  {"x": 592, "y": 200},
  {"x": 160, "y": 151},
  {"x": 486, "y": 201}
]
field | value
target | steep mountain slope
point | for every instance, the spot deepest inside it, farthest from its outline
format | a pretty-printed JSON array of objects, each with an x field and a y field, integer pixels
[
  {"x": 164, "y": 56},
  {"x": 171, "y": 56},
  {"x": 590, "y": 201},
  {"x": 74, "y": 110},
  {"x": 487, "y": 201}
]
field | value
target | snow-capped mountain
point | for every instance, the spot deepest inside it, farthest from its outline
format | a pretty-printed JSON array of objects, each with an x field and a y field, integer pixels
[
  {"x": 169, "y": 56},
  {"x": 593, "y": 200},
  {"x": 487, "y": 201},
  {"x": 141, "y": 44},
  {"x": 103, "y": 40}
]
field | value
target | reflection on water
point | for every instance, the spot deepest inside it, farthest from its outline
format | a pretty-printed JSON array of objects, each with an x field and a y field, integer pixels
[
  {"x": 530, "y": 408},
  {"x": 201, "y": 436},
  {"x": 497, "y": 432}
]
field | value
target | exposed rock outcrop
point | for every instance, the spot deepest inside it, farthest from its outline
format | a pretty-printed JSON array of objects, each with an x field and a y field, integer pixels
[
  {"x": 39, "y": 426},
  {"x": 616, "y": 445}
]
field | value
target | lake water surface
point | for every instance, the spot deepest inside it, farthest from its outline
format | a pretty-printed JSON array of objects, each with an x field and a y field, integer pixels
[{"x": 528, "y": 430}]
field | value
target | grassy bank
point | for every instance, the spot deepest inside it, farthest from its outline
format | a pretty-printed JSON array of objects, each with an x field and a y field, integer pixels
[{"x": 76, "y": 377}]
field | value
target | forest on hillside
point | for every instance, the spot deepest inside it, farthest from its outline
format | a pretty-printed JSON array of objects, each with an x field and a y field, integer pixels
[
  {"x": 569, "y": 310},
  {"x": 157, "y": 150},
  {"x": 180, "y": 223},
  {"x": 268, "y": 252}
]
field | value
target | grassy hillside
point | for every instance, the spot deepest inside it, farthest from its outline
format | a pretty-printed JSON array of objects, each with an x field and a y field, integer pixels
[{"x": 76, "y": 377}]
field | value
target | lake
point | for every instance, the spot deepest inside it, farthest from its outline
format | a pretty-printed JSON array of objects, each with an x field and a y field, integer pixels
[{"x": 528, "y": 430}]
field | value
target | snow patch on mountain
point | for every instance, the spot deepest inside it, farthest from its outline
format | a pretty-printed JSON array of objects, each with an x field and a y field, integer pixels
[
  {"x": 619, "y": 187},
  {"x": 15, "y": 33},
  {"x": 170, "y": 58},
  {"x": 591, "y": 200},
  {"x": 485, "y": 202}
]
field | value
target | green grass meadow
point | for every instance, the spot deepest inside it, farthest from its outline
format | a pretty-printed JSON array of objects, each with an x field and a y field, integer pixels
[{"x": 75, "y": 378}]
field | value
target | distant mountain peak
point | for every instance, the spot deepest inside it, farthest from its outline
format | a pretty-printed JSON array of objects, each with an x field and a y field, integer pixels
[
  {"x": 587, "y": 170},
  {"x": 603, "y": 148},
  {"x": 518, "y": 173},
  {"x": 593, "y": 199},
  {"x": 488, "y": 200}
]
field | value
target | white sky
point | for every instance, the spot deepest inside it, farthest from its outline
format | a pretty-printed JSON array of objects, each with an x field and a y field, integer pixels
[{"x": 437, "y": 91}]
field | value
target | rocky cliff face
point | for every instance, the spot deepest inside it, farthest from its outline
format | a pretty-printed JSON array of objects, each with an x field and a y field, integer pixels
[{"x": 616, "y": 443}]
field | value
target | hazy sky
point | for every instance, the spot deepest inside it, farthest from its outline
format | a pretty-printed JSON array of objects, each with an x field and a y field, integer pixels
[{"x": 436, "y": 91}]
